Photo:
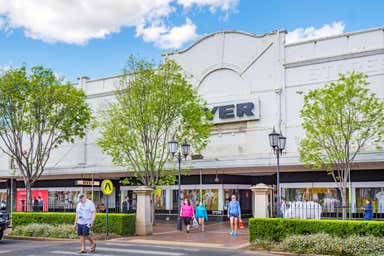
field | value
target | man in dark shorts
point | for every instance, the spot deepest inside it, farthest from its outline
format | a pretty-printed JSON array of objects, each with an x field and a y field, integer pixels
[{"x": 84, "y": 220}]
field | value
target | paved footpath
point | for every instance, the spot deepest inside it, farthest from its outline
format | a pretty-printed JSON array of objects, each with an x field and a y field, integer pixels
[{"x": 216, "y": 235}]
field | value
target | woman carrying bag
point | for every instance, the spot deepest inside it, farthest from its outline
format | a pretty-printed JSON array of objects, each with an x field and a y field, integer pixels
[
  {"x": 234, "y": 214},
  {"x": 187, "y": 213}
]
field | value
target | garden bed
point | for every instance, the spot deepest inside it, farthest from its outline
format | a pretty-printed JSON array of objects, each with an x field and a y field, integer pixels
[
  {"x": 277, "y": 229},
  {"x": 324, "y": 244},
  {"x": 120, "y": 224},
  {"x": 52, "y": 232}
]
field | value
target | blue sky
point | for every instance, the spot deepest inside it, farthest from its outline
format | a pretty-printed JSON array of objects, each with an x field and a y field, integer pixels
[{"x": 95, "y": 37}]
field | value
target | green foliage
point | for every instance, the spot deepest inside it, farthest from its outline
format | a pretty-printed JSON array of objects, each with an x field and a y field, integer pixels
[
  {"x": 278, "y": 229},
  {"x": 46, "y": 230},
  {"x": 152, "y": 106},
  {"x": 339, "y": 119},
  {"x": 38, "y": 112},
  {"x": 325, "y": 244},
  {"x": 121, "y": 224}
]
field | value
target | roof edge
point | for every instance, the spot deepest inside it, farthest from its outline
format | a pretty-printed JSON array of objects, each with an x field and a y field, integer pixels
[
  {"x": 221, "y": 32},
  {"x": 347, "y": 34}
]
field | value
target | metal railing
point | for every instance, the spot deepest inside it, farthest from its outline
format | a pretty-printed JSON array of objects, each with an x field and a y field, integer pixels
[{"x": 314, "y": 210}]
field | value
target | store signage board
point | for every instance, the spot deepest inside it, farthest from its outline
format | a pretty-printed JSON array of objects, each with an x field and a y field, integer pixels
[
  {"x": 87, "y": 183},
  {"x": 229, "y": 112}
]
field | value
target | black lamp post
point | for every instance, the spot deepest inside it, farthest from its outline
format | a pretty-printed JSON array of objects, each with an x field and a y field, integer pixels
[
  {"x": 173, "y": 147},
  {"x": 277, "y": 142}
]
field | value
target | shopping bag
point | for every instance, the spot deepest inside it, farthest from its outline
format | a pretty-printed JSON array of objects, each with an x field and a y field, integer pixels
[
  {"x": 241, "y": 224},
  {"x": 195, "y": 224}
]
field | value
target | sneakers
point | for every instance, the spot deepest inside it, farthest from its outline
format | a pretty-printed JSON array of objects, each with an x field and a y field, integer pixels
[{"x": 231, "y": 233}]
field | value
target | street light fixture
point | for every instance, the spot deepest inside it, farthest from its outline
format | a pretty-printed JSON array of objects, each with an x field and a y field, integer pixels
[
  {"x": 277, "y": 141},
  {"x": 173, "y": 148}
]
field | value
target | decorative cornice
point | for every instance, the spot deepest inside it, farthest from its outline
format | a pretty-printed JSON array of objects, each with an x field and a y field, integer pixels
[
  {"x": 333, "y": 58},
  {"x": 222, "y": 32}
]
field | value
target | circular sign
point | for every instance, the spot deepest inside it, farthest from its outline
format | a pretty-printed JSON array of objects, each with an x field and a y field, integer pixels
[{"x": 107, "y": 187}]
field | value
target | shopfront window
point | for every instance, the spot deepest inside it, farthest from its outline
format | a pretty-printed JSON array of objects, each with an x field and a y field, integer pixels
[
  {"x": 328, "y": 198},
  {"x": 66, "y": 200},
  {"x": 3, "y": 200},
  {"x": 375, "y": 195},
  {"x": 63, "y": 199},
  {"x": 243, "y": 196},
  {"x": 160, "y": 199},
  {"x": 210, "y": 197}
]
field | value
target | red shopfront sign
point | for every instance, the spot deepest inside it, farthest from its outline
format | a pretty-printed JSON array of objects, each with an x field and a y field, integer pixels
[{"x": 21, "y": 195}]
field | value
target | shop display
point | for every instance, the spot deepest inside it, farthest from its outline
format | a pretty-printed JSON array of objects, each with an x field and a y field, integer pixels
[
  {"x": 160, "y": 199},
  {"x": 380, "y": 199},
  {"x": 328, "y": 198},
  {"x": 21, "y": 203}
]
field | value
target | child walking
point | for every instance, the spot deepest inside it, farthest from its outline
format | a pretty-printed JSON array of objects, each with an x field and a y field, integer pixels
[{"x": 201, "y": 215}]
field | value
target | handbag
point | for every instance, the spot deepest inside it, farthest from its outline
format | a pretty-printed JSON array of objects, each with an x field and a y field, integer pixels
[
  {"x": 241, "y": 224},
  {"x": 195, "y": 224}
]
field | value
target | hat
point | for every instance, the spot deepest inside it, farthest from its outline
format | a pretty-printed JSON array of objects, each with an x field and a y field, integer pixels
[{"x": 81, "y": 196}]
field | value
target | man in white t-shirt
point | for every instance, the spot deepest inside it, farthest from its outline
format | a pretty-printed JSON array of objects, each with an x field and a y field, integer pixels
[{"x": 85, "y": 218}]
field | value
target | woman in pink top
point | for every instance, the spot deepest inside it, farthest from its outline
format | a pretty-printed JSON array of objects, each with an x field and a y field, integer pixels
[{"x": 187, "y": 212}]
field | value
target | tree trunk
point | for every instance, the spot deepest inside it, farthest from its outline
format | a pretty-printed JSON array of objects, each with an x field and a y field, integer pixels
[
  {"x": 28, "y": 191},
  {"x": 344, "y": 202}
]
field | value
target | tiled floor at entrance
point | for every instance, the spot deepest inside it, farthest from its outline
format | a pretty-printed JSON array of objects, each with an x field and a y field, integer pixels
[{"x": 216, "y": 235}]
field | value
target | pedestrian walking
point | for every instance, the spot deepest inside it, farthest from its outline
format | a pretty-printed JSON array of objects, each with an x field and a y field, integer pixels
[
  {"x": 234, "y": 215},
  {"x": 283, "y": 207},
  {"x": 125, "y": 205},
  {"x": 368, "y": 210},
  {"x": 187, "y": 213},
  {"x": 201, "y": 215},
  {"x": 40, "y": 204},
  {"x": 84, "y": 220},
  {"x": 35, "y": 204}
]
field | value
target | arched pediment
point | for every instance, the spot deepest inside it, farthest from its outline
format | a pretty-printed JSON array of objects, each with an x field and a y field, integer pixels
[
  {"x": 223, "y": 84},
  {"x": 232, "y": 56}
]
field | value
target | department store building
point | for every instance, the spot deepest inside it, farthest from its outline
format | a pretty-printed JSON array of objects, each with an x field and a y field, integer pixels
[{"x": 251, "y": 83}]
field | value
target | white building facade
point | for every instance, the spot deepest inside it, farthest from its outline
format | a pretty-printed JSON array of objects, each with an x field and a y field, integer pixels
[{"x": 251, "y": 83}]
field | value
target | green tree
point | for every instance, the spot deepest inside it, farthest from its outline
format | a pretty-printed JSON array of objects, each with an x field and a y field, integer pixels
[
  {"x": 339, "y": 120},
  {"x": 38, "y": 112},
  {"x": 152, "y": 105}
]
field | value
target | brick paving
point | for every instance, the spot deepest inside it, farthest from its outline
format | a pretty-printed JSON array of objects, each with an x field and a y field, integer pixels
[{"x": 216, "y": 235}]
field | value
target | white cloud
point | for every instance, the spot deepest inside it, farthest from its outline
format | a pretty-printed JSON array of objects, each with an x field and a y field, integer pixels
[
  {"x": 224, "y": 5},
  {"x": 301, "y": 34},
  {"x": 78, "y": 21},
  {"x": 165, "y": 37}
]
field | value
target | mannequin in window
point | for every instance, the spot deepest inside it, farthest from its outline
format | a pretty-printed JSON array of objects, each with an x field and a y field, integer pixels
[
  {"x": 380, "y": 200},
  {"x": 329, "y": 202}
]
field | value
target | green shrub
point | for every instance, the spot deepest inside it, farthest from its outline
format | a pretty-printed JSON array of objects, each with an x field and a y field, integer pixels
[
  {"x": 326, "y": 244},
  {"x": 368, "y": 245},
  {"x": 278, "y": 229},
  {"x": 45, "y": 230},
  {"x": 315, "y": 244},
  {"x": 121, "y": 224}
]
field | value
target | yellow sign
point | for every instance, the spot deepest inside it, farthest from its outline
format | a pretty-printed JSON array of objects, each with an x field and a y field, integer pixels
[{"x": 107, "y": 187}]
